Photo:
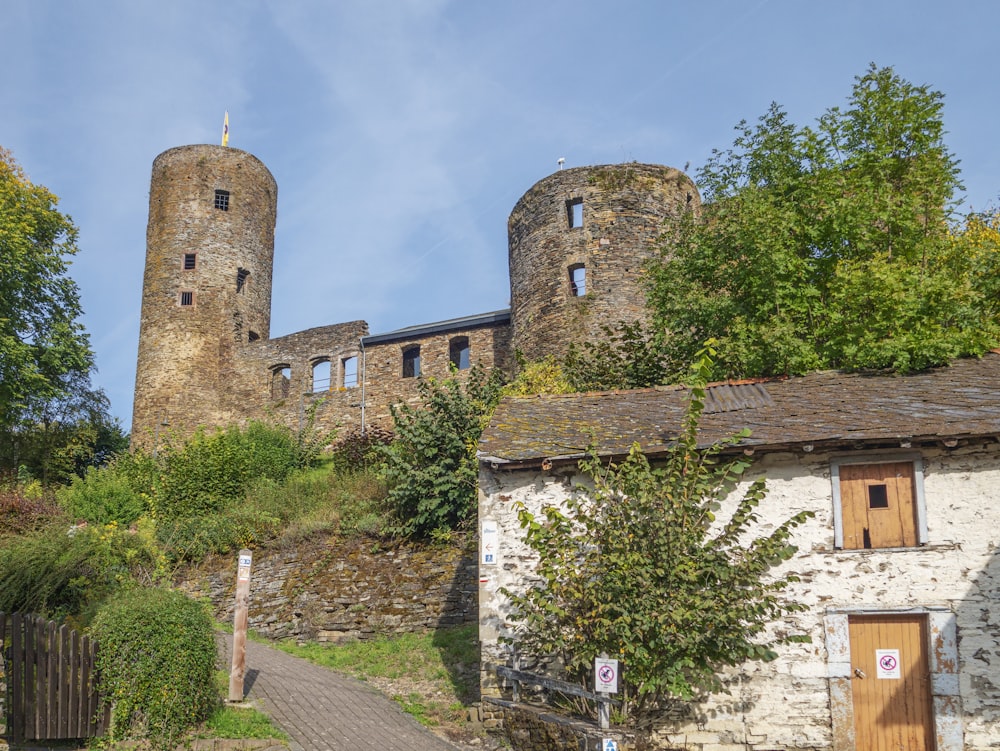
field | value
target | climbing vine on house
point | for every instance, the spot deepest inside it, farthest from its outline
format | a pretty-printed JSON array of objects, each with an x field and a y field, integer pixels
[{"x": 639, "y": 565}]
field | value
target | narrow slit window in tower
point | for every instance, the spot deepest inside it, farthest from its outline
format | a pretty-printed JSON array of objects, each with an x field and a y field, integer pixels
[
  {"x": 222, "y": 200},
  {"x": 190, "y": 261},
  {"x": 350, "y": 368},
  {"x": 578, "y": 280},
  {"x": 241, "y": 279},
  {"x": 458, "y": 352},
  {"x": 574, "y": 212},
  {"x": 411, "y": 362},
  {"x": 186, "y": 298}
]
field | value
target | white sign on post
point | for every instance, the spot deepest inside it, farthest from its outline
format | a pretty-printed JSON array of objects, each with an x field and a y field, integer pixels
[
  {"x": 490, "y": 542},
  {"x": 887, "y": 661},
  {"x": 605, "y": 675}
]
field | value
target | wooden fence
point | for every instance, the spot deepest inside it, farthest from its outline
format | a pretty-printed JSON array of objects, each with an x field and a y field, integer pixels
[{"x": 51, "y": 681}]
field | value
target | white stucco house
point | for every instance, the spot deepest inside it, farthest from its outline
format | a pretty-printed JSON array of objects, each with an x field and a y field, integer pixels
[{"x": 900, "y": 566}]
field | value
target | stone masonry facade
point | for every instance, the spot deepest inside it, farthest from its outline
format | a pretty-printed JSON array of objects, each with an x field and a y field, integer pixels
[{"x": 578, "y": 241}]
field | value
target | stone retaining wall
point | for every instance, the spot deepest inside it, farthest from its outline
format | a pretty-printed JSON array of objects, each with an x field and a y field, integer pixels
[{"x": 330, "y": 589}]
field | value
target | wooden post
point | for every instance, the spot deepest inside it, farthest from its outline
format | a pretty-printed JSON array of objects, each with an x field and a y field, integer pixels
[{"x": 240, "y": 616}]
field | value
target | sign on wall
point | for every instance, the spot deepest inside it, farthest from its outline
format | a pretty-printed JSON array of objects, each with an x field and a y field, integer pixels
[
  {"x": 490, "y": 542},
  {"x": 887, "y": 661}
]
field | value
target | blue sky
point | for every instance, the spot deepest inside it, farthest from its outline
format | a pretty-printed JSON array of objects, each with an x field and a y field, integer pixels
[{"x": 402, "y": 133}]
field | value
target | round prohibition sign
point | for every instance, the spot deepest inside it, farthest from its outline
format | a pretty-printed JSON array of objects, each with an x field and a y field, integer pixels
[
  {"x": 887, "y": 662},
  {"x": 606, "y": 674}
]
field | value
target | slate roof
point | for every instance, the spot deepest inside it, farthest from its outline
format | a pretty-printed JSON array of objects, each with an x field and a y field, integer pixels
[{"x": 830, "y": 408}]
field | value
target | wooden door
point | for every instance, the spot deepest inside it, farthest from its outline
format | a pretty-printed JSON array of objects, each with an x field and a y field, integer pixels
[{"x": 891, "y": 684}]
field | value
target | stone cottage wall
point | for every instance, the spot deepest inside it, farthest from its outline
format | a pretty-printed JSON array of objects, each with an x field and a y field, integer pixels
[{"x": 786, "y": 704}]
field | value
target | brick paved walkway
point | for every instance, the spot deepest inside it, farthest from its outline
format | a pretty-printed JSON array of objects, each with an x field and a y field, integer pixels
[{"x": 322, "y": 710}]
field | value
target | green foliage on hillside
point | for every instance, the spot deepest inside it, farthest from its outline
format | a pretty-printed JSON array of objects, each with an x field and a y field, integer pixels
[
  {"x": 641, "y": 566},
  {"x": 431, "y": 465}
]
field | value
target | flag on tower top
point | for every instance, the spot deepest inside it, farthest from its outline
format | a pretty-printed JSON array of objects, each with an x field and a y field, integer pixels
[{"x": 225, "y": 130}]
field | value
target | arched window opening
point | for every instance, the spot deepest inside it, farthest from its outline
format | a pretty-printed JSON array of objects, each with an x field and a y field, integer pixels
[
  {"x": 578, "y": 280},
  {"x": 411, "y": 362},
  {"x": 459, "y": 352},
  {"x": 281, "y": 381},
  {"x": 349, "y": 367},
  {"x": 253, "y": 336},
  {"x": 321, "y": 376}
]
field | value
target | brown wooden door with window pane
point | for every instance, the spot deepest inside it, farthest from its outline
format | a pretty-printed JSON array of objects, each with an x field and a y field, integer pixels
[
  {"x": 892, "y": 702},
  {"x": 879, "y": 505}
]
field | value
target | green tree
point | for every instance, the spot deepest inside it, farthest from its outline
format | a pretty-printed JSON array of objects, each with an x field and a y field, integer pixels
[
  {"x": 59, "y": 437},
  {"x": 431, "y": 465},
  {"x": 41, "y": 340},
  {"x": 637, "y": 565},
  {"x": 827, "y": 247}
]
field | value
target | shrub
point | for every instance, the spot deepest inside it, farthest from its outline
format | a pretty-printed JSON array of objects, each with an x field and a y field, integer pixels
[
  {"x": 62, "y": 572},
  {"x": 156, "y": 662},
  {"x": 359, "y": 450},
  {"x": 214, "y": 470},
  {"x": 119, "y": 492},
  {"x": 22, "y": 510},
  {"x": 431, "y": 466}
]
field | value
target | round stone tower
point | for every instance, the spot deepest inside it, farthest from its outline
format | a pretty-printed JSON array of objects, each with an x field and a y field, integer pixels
[
  {"x": 577, "y": 244},
  {"x": 206, "y": 291}
]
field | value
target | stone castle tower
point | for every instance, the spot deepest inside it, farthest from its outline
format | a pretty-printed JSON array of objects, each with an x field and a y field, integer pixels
[
  {"x": 206, "y": 291},
  {"x": 578, "y": 241}
]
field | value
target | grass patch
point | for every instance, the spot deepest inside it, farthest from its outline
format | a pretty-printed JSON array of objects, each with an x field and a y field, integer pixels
[
  {"x": 433, "y": 676},
  {"x": 240, "y": 722}
]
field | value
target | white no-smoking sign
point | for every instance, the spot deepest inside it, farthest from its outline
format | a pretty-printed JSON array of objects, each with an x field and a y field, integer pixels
[
  {"x": 606, "y": 675},
  {"x": 887, "y": 662}
]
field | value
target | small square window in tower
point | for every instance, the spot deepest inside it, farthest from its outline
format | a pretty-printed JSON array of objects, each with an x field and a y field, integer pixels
[
  {"x": 190, "y": 261},
  {"x": 458, "y": 352},
  {"x": 222, "y": 200},
  {"x": 879, "y": 505},
  {"x": 574, "y": 213},
  {"x": 186, "y": 298},
  {"x": 241, "y": 279},
  {"x": 411, "y": 362},
  {"x": 578, "y": 280}
]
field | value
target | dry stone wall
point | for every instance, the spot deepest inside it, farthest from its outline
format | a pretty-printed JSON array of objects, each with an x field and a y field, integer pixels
[{"x": 331, "y": 589}]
